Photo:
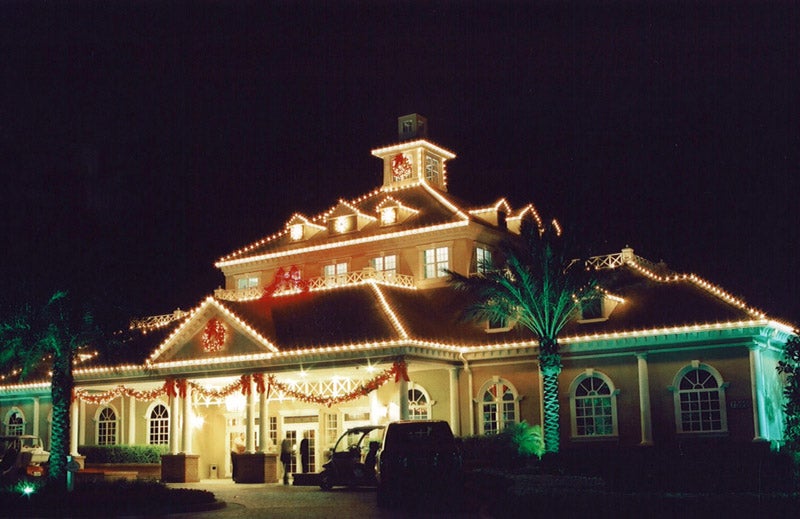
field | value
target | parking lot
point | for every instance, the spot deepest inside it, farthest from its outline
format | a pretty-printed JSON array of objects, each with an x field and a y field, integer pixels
[{"x": 288, "y": 501}]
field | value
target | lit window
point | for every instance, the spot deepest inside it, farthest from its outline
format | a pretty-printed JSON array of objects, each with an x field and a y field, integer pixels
[
  {"x": 593, "y": 402},
  {"x": 700, "y": 400},
  {"x": 388, "y": 215},
  {"x": 15, "y": 423},
  {"x": 331, "y": 429},
  {"x": 296, "y": 232},
  {"x": 333, "y": 271},
  {"x": 247, "y": 282},
  {"x": 483, "y": 260},
  {"x": 499, "y": 406},
  {"x": 342, "y": 224},
  {"x": 273, "y": 430},
  {"x": 107, "y": 427},
  {"x": 432, "y": 169},
  {"x": 419, "y": 405},
  {"x": 386, "y": 264},
  {"x": 158, "y": 426},
  {"x": 436, "y": 262}
]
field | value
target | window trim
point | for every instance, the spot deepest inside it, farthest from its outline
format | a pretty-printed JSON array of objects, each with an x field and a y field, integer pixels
[
  {"x": 21, "y": 426},
  {"x": 573, "y": 398},
  {"x": 149, "y": 419},
  {"x": 98, "y": 421},
  {"x": 495, "y": 381},
  {"x": 438, "y": 265},
  {"x": 428, "y": 402},
  {"x": 722, "y": 387}
]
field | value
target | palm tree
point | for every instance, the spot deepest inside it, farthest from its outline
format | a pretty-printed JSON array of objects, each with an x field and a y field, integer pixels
[
  {"x": 31, "y": 339},
  {"x": 539, "y": 287}
]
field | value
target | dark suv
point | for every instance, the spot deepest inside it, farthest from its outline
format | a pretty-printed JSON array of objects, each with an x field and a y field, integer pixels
[{"x": 419, "y": 460}]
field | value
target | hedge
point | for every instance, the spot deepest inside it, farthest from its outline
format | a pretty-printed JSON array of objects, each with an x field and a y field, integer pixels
[{"x": 123, "y": 453}]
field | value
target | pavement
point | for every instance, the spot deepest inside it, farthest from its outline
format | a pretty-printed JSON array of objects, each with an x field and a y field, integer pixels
[{"x": 264, "y": 500}]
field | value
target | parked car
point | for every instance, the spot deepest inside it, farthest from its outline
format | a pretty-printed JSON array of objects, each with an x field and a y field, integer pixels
[
  {"x": 352, "y": 461},
  {"x": 20, "y": 455},
  {"x": 419, "y": 460}
]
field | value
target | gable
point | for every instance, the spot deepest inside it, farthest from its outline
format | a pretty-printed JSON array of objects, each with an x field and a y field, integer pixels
[{"x": 211, "y": 332}]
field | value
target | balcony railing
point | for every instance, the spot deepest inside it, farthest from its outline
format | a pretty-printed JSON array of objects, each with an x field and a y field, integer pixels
[{"x": 357, "y": 277}]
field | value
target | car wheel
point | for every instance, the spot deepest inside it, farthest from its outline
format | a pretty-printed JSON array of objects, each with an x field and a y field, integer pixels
[{"x": 325, "y": 482}]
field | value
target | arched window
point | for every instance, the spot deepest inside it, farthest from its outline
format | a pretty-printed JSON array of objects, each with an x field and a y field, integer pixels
[
  {"x": 499, "y": 406},
  {"x": 106, "y": 426},
  {"x": 419, "y": 404},
  {"x": 158, "y": 425},
  {"x": 699, "y": 394},
  {"x": 15, "y": 422},
  {"x": 593, "y": 406}
]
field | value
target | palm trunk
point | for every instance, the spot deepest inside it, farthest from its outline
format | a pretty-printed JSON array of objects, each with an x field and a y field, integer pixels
[
  {"x": 550, "y": 369},
  {"x": 61, "y": 391}
]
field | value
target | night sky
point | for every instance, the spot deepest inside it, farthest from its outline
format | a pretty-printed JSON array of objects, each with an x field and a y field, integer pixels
[{"x": 140, "y": 142}]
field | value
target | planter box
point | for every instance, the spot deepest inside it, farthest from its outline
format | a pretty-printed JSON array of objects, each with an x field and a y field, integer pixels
[
  {"x": 258, "y": 467},
  {"x": 143, "y": 470},
  {"x": 180, "y": 468}
]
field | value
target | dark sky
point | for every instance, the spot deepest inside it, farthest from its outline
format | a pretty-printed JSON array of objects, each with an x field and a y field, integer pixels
[{"x": 141, "y": 141}]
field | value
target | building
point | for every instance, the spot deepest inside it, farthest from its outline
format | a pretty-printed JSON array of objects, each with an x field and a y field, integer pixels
[{"x": 346, "y": 318}]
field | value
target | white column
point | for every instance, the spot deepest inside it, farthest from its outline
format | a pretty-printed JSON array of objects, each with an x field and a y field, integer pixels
[
  {"x": 131, "y": 420},
  {"x": 645, "y": 420},
  {"x": 402, "y": 387},
  {"x": 187, "y": 421},
  {"x": 36, "y": 416},
  {"x": 455, "y": 412},
  {"x": 374, "y": 408},
  {"x": 82, "y": 426},
  {"x": 263, "y": 422},
  {"x": 74, "y": 417},
  {"x": 174, "y": 426},
  {"x": 757, "y": 393},
  {"x": 251, "y": 418}
]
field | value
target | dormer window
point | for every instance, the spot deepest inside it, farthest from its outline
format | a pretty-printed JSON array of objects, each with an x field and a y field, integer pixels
[
  {"x": 597, "y": 306},
  {"x": 388, "y": 215},
  {"x": 296, "y": 232},
  {"x": 248, "y": 281},
  {"x": 343, "y": 224}
]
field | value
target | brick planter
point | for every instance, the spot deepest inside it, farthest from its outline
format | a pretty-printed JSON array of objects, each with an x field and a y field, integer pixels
[
  {"x": 257, "y": 467},
  {"x": 180, "y": 468}
]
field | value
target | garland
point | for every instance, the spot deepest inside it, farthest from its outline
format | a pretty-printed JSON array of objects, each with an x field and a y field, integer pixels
[{"x": 173, "y": 387}]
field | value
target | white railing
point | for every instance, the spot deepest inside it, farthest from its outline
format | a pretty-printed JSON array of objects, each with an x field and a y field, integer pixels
[
  {"x": 322, "y": 283},
  {"x": 156, "y": 321},
  {"x": 609, "y": 261}
]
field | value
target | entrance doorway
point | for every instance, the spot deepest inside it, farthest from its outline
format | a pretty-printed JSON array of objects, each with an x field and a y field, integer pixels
[{"x": 302, "y": 432}]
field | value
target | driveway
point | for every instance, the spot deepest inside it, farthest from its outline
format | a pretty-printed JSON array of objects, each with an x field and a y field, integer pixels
[{"x": 288, "y": 501}]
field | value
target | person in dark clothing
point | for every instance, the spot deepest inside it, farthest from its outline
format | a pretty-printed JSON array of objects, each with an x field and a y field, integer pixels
[
  {"x": 305, "y": 454},
  {"x": 287, "y": 451}
]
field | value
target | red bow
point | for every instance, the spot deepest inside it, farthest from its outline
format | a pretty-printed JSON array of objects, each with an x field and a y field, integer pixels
[
  {"x": 245, "y": 381},
  {"x": 400, "y": 371}
]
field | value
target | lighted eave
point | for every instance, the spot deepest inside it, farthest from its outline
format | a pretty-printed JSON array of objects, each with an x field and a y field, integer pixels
[{"x": 395, "y": 148}]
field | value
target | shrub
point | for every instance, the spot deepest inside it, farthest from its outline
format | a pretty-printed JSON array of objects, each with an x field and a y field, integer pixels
[{"x": 123, "y": 453}]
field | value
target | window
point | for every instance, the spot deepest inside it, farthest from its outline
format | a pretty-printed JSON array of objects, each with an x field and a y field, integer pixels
[
  {"x": 432, "y": 169},
  {"x": 273, "y": 430},
  {"x": 483, "y": 260},
  {"x": 107, "y": 427},
  {"x": 388, "y": 215},
  {"x": 15, "y": 423},
  {"x": 436, "y": 261},
  {"x": 593, "y": 403},
  {"x": 499, "y": 406},
  {"x": 247, "y": 282},
  {"x": 331, "y": 429},
  {"x": 700, "y": 400},
  {"x": 158, "y": 426},
  {"x": 592, "y": 308},
  {"x": 333, "y": 271},
  {"x": 386, "y": 264},
  {"x": 296, "y": 232},
  {"x": 419, "y": 405}
]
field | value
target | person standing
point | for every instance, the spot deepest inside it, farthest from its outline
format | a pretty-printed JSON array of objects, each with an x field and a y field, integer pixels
[
  {"x": 305, "y": 454},
  {"x": 287, "y": 451}
]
